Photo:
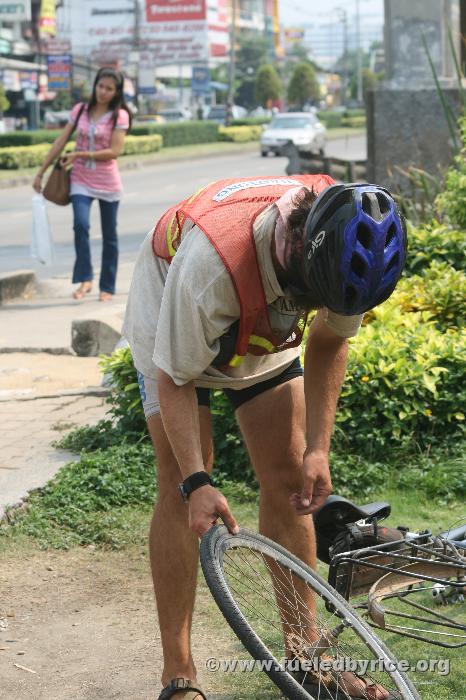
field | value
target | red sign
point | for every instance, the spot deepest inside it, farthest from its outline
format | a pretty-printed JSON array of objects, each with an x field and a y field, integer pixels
[{"x": 175, "y": 10}]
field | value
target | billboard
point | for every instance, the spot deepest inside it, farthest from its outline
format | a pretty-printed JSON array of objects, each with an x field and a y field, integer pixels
[
  {"x": 175, "y": 10},
  {"x": 59, "y": 72},
  {"x": 110, "y": 33},
  {"x": 200, "y": 80}
]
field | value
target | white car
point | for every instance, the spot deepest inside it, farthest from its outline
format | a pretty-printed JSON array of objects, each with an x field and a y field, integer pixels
[{"x": 302, "y": 128}]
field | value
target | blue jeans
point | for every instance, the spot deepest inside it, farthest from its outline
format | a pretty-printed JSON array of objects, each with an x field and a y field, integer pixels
[{"x": 82, "y": 271}]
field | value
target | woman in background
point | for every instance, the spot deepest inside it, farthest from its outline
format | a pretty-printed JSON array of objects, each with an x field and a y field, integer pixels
[{"x": 101, "y": 126}]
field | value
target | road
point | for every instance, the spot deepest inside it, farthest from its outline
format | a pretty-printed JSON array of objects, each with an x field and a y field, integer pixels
[{"x": 148, "y": 192}]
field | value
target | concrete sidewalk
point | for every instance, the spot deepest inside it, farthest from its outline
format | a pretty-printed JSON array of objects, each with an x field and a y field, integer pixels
[{"x": 45, "y": 390}]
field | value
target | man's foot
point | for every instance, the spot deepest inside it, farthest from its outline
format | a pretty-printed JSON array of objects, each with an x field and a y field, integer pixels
[
  {"x": 182, "y": 689},
  {"x": 349, "y": 684},
  {"x": 83, "y": 289},
  {"x": 105, "y": 296}
]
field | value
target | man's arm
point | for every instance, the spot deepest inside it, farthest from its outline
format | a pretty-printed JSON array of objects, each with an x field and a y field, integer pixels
[
  {"x": 180, "y": 416},
  {"x": 324, "y": 371}
]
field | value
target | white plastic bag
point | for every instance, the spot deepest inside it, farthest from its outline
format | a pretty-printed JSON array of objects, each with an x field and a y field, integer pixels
[{"x": 42, "y": 242}]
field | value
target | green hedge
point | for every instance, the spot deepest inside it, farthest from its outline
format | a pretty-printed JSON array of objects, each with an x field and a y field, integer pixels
[
  {"x": 440, "y": 243},
  {"x": 351, "y": 117},
  {"x": 239, "y": 134},
  {"x": 182, "y": 133},
  {"x": 142, "y": 144},
  {"x": 28, "y": 138},
  {"x": 251, "y": 121},
  {"x": 33, "y": 156}
]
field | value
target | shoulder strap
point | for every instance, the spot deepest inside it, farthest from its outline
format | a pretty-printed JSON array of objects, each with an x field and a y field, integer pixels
[{"x": 81, "y": 109}]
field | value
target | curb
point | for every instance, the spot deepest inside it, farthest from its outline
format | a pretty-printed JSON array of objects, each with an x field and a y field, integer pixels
[
  {"x": 97, "y": 391},
  {"x": 137, "y": 165}
]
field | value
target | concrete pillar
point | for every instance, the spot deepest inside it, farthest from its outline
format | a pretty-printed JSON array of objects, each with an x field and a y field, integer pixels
[
  {"x": 406, "y": 125},
  {"x": 405, "y": 55}
]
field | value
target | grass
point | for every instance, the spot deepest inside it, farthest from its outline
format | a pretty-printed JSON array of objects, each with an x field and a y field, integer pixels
[
  {"x": 129, "y": 525},
  {"x": 179, "y": 153}
]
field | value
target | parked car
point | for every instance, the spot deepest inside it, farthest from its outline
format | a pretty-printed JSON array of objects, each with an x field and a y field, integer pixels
[
  {"x": 175, "y": 114},
  {"x": 143, "y": 119},
  {"x": 218, "y": 113},
  {"x": 56, "y": 120},
  {"x": 302, "y": 128}
]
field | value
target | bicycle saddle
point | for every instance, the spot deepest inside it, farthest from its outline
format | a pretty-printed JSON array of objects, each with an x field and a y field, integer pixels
[{"x": 340, "y": 511}]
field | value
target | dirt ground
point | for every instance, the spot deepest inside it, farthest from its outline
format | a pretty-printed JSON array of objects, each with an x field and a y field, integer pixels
[
  {"x": 81, "y": 625},
  {"x": 42, "y": 373}
]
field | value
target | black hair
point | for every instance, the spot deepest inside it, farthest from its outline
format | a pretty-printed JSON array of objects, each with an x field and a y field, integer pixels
[
  {"x": 295, "y": 269},
  {"x": 118, "y": 102}
]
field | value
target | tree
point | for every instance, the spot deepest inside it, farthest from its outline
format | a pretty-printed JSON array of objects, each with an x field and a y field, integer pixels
[
  {"x": 251, "y": 54},
  {"x": 303, "y": 86},
  {"x": 268, "y": 85},
  {"x": 4, "y": 101},
  {"x": 62, "y": 101}
]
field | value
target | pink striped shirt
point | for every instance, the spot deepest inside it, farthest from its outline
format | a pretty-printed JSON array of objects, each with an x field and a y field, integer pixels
[{"x": 96, "y": 176}]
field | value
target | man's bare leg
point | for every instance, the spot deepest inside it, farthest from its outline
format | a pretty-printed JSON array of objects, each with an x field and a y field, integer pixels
[
  {"x": 273, "y": 426},
  {"x": 174, "y": 554}
]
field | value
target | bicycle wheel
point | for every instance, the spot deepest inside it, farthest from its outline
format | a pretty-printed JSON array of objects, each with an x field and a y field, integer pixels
[{"x": 281, "y": 609}]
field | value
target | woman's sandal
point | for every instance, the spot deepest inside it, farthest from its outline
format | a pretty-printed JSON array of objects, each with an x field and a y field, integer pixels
[
  {"x": 82, "y": 290},
  {"x": 105, "y": 296},
  {"x": 180, "y": 685}
]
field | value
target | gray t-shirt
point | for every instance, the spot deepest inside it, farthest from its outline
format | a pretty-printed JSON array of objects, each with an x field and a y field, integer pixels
[{"x": 177, "y": 314}]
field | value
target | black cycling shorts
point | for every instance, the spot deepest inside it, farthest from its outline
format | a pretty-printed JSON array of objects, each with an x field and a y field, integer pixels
[{"x": 239, "y": 396}]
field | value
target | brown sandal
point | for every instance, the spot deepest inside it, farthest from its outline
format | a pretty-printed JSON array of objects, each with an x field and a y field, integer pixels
[
  {"x": 82, "y": 290},
  {"x": 179, "y": 685}
]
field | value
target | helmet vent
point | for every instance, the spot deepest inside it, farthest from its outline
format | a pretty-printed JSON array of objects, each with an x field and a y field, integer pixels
[
  {"x": 364, "y": 236},
  {"x": 358, "y": 265},
  {"x": 391, "y": 233},
  {"x": 393, "y": 263},
  {"x": 375, "y": 205}
]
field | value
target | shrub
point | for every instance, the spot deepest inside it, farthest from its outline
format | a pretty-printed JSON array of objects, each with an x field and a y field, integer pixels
[
  {"x": 440, "y": 290},
  {"x": 355, "y": 122},
  {"x": 142, "y": 144},
  {"x": 239, "y": 134},
  {"x": 33, "y": 156},
  {"x": 452, "y": 201},
  {"x": 181, "y": 133},
  {"x": 25, "y": 156},
  {"x": 404, "y": 386},
  {"x": 251, "y": 121},
  {"x": 332, "y": 120},
  {"x": 28, "y": 138},
  {"x": 435, "y": 242}
]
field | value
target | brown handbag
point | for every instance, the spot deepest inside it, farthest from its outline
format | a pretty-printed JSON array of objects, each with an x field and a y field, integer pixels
[{"x": 57, "y": 188}]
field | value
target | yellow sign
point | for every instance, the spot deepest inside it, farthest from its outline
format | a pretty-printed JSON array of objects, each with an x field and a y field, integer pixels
[{"x": 47, "y": 18}]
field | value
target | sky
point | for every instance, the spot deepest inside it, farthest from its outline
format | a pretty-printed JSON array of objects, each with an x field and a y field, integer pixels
[{"x": 296, "y": 12}]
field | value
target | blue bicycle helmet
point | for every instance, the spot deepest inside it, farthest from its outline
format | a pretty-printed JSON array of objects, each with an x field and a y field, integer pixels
[{"x": 355, "y": 247}]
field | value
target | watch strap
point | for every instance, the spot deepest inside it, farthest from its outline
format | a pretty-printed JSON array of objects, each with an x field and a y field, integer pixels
[{"x": 193, "y": 482}]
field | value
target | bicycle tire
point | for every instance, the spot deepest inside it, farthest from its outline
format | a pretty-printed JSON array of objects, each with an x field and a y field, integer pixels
[{"x": 217, "y": 542}]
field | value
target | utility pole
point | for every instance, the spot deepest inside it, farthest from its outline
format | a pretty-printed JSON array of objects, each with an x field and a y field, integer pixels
[
  {"x": 358, "y": 54},
  {"x": 344, "y": 20},
  {"x": 136, "y": 48},
  {"x": 232, "y": 67}
]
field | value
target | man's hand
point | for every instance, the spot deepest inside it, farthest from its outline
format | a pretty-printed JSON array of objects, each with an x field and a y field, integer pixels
[
  {"x": 317, "y": 484},
  {"x": 206, "y": 505}
]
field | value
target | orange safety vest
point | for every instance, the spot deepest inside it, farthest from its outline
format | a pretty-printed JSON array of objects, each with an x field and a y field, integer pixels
[{"x": 225, "y": 211}]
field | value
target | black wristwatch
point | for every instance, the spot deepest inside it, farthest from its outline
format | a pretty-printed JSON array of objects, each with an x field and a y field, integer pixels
[{"x": 193, "y": 482}]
